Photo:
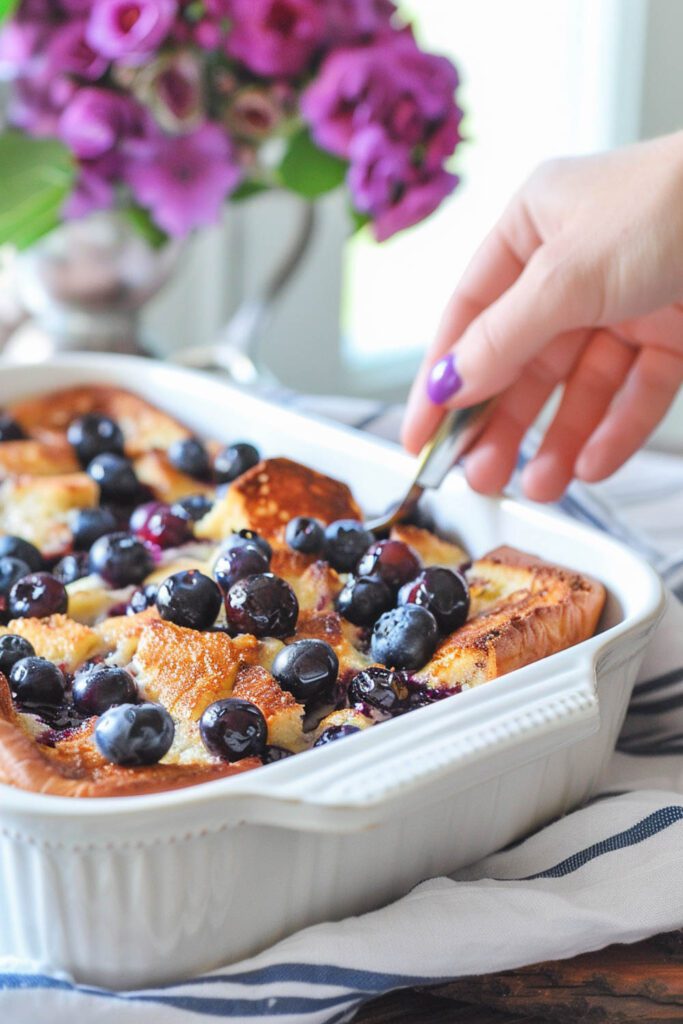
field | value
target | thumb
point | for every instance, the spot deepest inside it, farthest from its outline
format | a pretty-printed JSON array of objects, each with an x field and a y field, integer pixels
[{"x": 549, "y": 297}]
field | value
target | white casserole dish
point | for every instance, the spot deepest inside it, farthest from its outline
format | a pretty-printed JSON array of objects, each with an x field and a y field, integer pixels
[{"x": 134, "y": 891}]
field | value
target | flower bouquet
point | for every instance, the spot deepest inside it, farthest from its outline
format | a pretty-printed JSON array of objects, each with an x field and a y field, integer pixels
[{"x": 165, "y": 109}]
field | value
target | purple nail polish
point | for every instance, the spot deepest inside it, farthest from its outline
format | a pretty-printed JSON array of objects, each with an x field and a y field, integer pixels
[{"x": 444, "y": 380}]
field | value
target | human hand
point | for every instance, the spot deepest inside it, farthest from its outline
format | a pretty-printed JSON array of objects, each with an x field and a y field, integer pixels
[{"x": 580, "y": 284}]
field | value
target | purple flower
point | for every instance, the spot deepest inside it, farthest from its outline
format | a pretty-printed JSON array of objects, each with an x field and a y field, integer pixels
[
  {"x": 130, "y": 29},
  {"x": 68, "y": 52},
  {"x": 20, "y": 42},
  {"x": 94, "y": 189},
  {"x": 390, "y": 82},
  {"x": 350, "y": 21},
  {"x": 96, "y": 120},
  {"x": 184, "y": 179},
  {"x": 171, "y": 87},
  {"x": 389, "y": 186},
  {"x": 276, "y": 37}
]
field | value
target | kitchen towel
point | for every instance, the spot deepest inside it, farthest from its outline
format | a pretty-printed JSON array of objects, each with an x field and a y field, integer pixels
[{"x": 610, "y": 872}]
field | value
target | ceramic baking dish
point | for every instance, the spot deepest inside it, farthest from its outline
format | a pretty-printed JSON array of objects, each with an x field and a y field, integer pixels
[{"x": 133, "y": 891}]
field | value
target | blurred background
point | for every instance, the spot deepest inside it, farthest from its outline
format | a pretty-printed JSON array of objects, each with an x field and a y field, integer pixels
[{"x": 538, "y": 80}]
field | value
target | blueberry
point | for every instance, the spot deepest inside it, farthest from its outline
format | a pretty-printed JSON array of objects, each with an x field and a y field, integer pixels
[
  {"x": 72, "y": 567},
  {"x": 89, "y": 524},
  {"x": 306, "y": 668},
  {"x": 263, "y": 605},
  {"x": 159, "y": 524},
  {"x": 441, "y": 591},
  {"x": 92, "y": 435},
  {"x": 190, "y": 599},
  {"x": 363, "y": 599},
  {"x": 10, "y": 429},
  {"x": 305, "y": 534},
  {"x": 232, "y": 729},
  {"x": 393, "y": 560},
  {"x": 381, "y": 688},
  {"x": 191, "y": 457},
  {"x": 11, "y": 570},
  {"x": 244, "y": 537},
  {"x": 115, "y": 476},
  {"x": 120, "y": 559},
  {"x": 142, "y": 599},
  {"x": 192, "y": 508},
  {"x": 37, "y": 681},
  {"x": 271, "y": 754},
  {"x": 238, "y": 562},
  {"x": 345, "y": 541},
  {"x": 36, "y": 596},
  {"x": 335, "y": 732},
  {"x": 96, "y": 688},
  {"x": 234, "y": 460},
  {"x": 17, "y": 547},
  {"x": 134, "y": 734},
  {"x": 12, "y": 649},
  {"x": 405, "y": 637}
]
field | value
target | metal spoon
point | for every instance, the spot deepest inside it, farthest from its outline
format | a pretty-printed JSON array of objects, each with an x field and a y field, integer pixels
[{"x": 456, "y": 433}]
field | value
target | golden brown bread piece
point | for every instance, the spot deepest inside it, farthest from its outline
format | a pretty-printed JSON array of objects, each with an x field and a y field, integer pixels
[
  {"x": 144, "y": 426},
  {"x": 75, "y": 768},
  {"x": 59, "y": 639},
  {"x": 530, "y": 610},
  {"x": 267, "y": 496},
  {"x": 342, "y": 636},
  {"x": 186, "y": 670},
  {"x": 432, "y": 550},
  {"x": 283, "y": 714},
  {"x": 121, "y": 634},
  {"x": 37, "y": 458},
  {"x": 38, "y": 508},
  {"x": 169, "y": 484}
]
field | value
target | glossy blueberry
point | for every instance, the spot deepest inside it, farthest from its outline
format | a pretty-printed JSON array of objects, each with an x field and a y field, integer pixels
[
  {"x": 232, "y": 729},
  {"x": 89, "y": 524},
  {"x": 238, "y": 562},
  {"x": 36, "y": 680},
  {"x": 335, "y": 732},
  {"x": 306, "y": 668},
  {"x": 234, "y": 460},
  {"x": 36, "y": 596},
  {"x": 363, "y": 599},
  {"x": 141, "y": 600},
  {"x": 345, "y": 541},
  {"x": 115, "y": 477},
  {"x": 120, "y": 559},
  {"x": 192, "y": 508},
  {"x": 159, "y": 524},
  {"x": 381, "y": 688},
  {"x": 443, "y": 592},
  {"x": 12, "y": 649},
  {"x": 10, "y": 429},
  {"x": 243, "y": 537},
  {"x": 92, "y": 435},
  {"x": 96, "y": 688},
  {"x": 264, "y": 605},
  {"x": 405, "y": 637},
  {"x": 17, "y": 547},
  {"x": 72, "y": 567},
  {"x": 134, "y": 734},
  {"x": 189, "y": 598},
  {"x": 305, "y": 534},
  {"x": 189, "y": 456},
  {"x": 392, "y": 560},
  {"x": 11, "y": 570}
]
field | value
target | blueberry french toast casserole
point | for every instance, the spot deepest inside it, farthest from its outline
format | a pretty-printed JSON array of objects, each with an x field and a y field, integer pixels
[{"x": 174, "y": 610}]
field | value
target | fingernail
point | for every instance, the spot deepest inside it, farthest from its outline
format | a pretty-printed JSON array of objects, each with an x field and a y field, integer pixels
[{"x": 444, "y": 380}]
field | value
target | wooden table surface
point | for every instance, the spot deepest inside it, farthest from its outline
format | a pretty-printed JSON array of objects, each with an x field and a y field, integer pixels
[{"x": 618, "y": 985}]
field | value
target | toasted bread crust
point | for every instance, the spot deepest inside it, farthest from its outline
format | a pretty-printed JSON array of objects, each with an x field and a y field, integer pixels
[{"x": 266, "y": 497}]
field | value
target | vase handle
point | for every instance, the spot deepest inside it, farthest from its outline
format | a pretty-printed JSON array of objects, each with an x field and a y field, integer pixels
[{"x": 235, "y": 348}]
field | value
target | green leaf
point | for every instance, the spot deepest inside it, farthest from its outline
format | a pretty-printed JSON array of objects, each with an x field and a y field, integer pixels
[
  {"x": 358, "y": 219},
  {"x": 37, "y": 176},
  {"x": 145, "y": 226},
  {"x": 7, "y": 7},
  {"x": 308, "y": 170},
  {"x": 248, "y": 189}
]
